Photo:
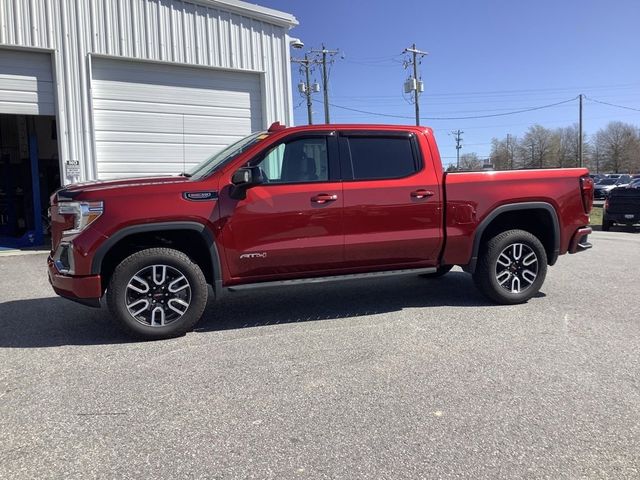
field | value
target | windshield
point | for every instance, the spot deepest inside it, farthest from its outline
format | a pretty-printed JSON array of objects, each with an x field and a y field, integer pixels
[
  {"x": 607, "y": 181},
  {"x": 208, "y": 166}
]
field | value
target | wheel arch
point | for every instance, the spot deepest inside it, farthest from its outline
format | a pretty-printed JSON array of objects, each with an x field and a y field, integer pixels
[
  {"x": 505, "y": 217},
  {"x": 205, "y": 254}
]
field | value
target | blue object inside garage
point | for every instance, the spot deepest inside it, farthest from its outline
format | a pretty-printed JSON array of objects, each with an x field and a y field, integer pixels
[{"x": 24, "y": 182}]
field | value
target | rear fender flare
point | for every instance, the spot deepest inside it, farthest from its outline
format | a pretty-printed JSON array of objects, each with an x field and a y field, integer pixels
[{"x": 511, "y": 207}]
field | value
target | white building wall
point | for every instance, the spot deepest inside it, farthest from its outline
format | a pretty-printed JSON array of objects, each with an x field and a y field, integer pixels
[{"x": 215, "y": 33}]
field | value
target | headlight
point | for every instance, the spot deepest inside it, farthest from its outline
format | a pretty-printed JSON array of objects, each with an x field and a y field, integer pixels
[{"x": 83, "y": 214}]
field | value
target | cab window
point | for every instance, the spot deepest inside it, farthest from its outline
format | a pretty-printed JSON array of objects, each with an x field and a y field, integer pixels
[{"x": 297, "y": 161}]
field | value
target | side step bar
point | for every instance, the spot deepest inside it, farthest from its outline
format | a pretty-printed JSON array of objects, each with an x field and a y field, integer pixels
[{"x": 332, "y": 278}]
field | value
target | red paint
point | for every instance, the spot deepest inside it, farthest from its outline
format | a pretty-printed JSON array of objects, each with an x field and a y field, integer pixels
[
  {"x": 74, "y": 287},
  {"x": 321, "y": 228}
]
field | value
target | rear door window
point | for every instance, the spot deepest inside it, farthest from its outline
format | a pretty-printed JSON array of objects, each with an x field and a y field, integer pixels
[{"x": 380, "y": 157}]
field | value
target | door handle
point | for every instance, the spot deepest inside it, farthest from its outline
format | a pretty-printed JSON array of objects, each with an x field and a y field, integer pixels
[
  {"x": 422, "y": 193},
  {"x": 324, "y": 198}
]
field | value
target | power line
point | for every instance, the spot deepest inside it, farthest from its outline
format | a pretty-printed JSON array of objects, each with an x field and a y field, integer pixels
[
  {"x": 390, "y": 115},
  {"x": 491, "y": 93},
  {"x": 612, "y": 104}
]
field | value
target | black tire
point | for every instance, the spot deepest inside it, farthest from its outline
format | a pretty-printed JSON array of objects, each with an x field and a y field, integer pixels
[
  {"x": 442, "y": 270},
  {"x": 606, "y": 224},
  {"x": 488, "y": 269},
  {"x": 119, "y": 292}
]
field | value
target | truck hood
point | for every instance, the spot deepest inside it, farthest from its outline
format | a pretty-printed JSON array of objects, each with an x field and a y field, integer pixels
[{"x": 71, "y": 191}]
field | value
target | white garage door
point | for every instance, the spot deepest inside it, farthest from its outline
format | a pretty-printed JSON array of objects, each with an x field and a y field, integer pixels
[
  {"x": 26, "y": 83},
  {"x": 152, "y": 119}
]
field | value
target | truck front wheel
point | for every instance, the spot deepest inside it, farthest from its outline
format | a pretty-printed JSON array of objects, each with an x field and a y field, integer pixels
[
  {"x": 511, "y": 267},
  {"x": 157, "y": 293}
]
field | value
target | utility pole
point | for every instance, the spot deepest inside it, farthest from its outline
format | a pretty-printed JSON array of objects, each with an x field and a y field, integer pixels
[
  {"x": 325, "y": 80},
  {"x": 458, "y": 134},
  {"x": 306, "y": 88},
  {"x": 414, "y": 84},
  {"x": 532, "y": 157},
  {"x": 580, "y": 134}
]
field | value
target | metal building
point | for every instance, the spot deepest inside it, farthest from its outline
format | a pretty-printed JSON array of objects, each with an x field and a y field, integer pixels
[{"x": 101, "y": 89}]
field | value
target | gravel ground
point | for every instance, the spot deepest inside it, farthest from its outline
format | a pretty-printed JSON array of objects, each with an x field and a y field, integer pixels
[{"x": 382, "y": 379}]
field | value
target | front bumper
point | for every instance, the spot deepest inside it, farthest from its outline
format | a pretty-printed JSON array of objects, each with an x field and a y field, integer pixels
[
  {"x": 579, "y": 242},
  {"x": 86, "y": 289}
]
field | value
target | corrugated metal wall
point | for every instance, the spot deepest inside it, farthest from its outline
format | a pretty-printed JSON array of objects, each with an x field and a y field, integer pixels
[{"x": 159, "y": 30}]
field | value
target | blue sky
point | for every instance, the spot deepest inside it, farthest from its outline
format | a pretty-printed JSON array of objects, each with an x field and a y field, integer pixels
[{"x": 486, "y": 57}]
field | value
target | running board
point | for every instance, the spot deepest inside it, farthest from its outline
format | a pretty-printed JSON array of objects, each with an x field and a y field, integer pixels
[{"x": 332, "y": 278}]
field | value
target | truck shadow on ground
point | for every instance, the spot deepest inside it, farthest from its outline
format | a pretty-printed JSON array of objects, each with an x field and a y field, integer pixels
[{"x": 49, "y": 322}]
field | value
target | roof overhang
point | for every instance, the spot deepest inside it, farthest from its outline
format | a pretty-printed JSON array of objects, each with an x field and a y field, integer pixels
[{"x": 267, "y": 15}]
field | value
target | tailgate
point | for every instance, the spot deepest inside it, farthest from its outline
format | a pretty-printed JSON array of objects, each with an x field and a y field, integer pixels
[{"x": 624, "y": 200}]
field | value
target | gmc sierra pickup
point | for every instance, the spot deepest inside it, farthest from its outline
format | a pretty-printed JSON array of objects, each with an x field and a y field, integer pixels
[{"x": 309, "y": 204}]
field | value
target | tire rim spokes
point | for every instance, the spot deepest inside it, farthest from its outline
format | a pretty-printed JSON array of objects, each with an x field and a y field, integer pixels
[
  {"x": 516, "y": 268},
  {"x": 158, "y": 295}
]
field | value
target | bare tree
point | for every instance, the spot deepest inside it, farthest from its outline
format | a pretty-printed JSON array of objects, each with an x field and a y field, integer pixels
[
  {"x": 536, "y": 147},
  {"x": 500, "y": 155},
  {"x": 568, "y": 154},
  {"x": 615, "y": 148},
  {"x": 618, "y": 147},
  {"x": 470, "y": 161}
]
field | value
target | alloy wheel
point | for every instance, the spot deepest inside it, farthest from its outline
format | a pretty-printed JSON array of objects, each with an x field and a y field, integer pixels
[
  {"x": 516, "y": 268},
  {"x": 158, "y": 295}
]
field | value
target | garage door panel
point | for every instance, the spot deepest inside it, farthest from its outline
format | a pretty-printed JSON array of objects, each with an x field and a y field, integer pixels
[
  {"x": 175, "y": 108},
  {"x": 26, "y": 83},
  {"x": 151, "y": 118},
  {"x": 173, "y": 124},
  {"x": 137, "y": 122},
  {"x": 161, "y": 98},
  {"x": 153, "y": 153},
  {"x": 141, "y": 73},
  {"x": 14, "y": 83},
  {"x": 152, "y": 83},
  {"x": 164, "y": 158},
  {"x": 168, "y": 138},
  {"x": 18, "y": 96}
]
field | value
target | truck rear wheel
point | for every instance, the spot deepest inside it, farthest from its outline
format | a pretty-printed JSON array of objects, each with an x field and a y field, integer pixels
[
  {"x": 157, "y": 293},
  {"x": 511, "y": 267}
]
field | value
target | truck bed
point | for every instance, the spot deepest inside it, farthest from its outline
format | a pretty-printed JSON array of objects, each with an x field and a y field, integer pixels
[{"x": 470, "y": 197}]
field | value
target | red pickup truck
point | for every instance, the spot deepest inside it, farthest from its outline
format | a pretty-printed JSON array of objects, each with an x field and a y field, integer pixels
[{"x": 309, "y": 204}]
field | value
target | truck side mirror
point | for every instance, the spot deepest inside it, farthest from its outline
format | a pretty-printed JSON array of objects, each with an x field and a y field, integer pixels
[{"x": 243, "y": 179}]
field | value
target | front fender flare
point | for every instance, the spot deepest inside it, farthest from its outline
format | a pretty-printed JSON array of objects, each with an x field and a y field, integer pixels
[{"x": 101, "y": 252}]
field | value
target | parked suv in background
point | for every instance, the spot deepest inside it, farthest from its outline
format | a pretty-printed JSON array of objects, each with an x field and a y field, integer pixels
[
  {"x": 309, "y": 204},
  {"x": 622, "y": 207}
]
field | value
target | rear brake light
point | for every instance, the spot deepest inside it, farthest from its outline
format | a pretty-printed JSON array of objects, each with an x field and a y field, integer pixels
[{"x": 586, "y": 187}]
